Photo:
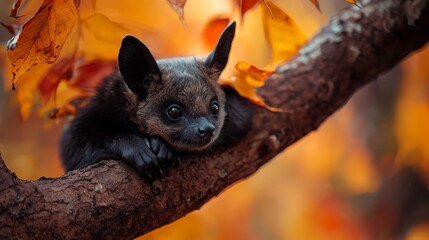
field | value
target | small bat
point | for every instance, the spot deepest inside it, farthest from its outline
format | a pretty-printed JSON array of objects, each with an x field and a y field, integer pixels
[{"x": 150, "y": 112}]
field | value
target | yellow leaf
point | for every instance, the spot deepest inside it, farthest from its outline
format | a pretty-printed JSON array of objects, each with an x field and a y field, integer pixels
[
  {"x": 42, "y": 37},
  {"x": 284, "y": 38},
  {"x": 283, "y": 35},
  {"x": 102, "y": 36},
  {"x": 247, "y": 80}
]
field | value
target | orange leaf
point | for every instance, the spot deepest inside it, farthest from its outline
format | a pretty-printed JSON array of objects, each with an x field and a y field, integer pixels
[
  {"x": 42, "y": 37},
  {"x": 247, "y": 80},
  {"x": 257, "y": 75},
  {"x": 62, "y": 70},
  {"x": 354, "y": 2},
  {"x": 102, "y": 36},
  {"x": 178, "y": 6},
  {"x": 212, "y": 31},
  {"x": 284, "y": 37},
  {"x": 17, "y": 8},
  {"x": 316, "y": 3}
]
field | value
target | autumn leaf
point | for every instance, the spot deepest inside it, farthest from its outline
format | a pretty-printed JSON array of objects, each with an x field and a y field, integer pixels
[
  {"x": 89, "y": 75},
  {"x": 245, "y": 5},
  {"x": 85, "y": 77},
  {"x": 249, "y": 78},
  {"x": 102, "y": 36},
  {"x": 62, "y": 70},
  {"x": 283, "y": 35},
  {"x": 17, "y": 8},
  {"x": 67, "y": 100},
  {"x": 178, "y": 6},
  {"x": 42, "y": 37},
  {"x": 257, "y": 75},
  {"x": 284, "y": 38},
  {"x": 316, "y": 4},
  {"x": 212, "y": 30},
  {"x": 354, "y": 2},
  {"x": 11, "y": 28}
]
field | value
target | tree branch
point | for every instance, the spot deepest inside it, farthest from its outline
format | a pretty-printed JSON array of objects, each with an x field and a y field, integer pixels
[{"x": 109, "y": 200}]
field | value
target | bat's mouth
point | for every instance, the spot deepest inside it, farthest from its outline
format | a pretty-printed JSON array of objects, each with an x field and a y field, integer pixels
[{"x": 188, "y": 144}]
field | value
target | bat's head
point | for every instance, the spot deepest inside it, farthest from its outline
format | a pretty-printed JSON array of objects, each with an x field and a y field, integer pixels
[{"x": 177, "y": 99}]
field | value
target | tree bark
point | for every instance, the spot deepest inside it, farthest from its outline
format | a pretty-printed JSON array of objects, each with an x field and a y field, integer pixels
[{"x": 109, "y": 200}]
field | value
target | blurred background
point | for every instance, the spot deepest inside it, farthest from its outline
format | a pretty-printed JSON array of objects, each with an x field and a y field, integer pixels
[{"x": 363, "y": 174}]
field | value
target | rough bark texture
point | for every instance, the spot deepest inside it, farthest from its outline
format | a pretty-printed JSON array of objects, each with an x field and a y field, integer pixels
[{"x": 109, "y": 200}]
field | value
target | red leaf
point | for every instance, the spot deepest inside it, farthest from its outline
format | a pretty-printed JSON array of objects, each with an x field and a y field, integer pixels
[
  {"x": 245, "y": 5},
  {"x": 89, "y": 75},
  {"x": 316, "y": 3},
  {"x": 62, "y": 70},
  {"x": 11, "y": 28},
  {"x": 17, "y": 8}
]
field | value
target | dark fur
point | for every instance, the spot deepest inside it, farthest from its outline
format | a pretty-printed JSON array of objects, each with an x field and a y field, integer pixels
[{"x": 127, "y": 119}]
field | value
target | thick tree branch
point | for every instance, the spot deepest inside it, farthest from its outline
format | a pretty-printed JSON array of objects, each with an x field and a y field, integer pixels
[{"x": 109, "y": 200}]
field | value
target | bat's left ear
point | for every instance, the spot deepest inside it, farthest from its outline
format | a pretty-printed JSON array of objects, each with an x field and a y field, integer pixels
[
  {"x": 137, "y": 66},
  {"x": 218, "y": 58}
]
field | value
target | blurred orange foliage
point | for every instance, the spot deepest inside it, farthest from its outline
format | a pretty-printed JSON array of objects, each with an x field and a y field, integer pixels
[
  {"x": 312, "y": 191},
  {"x": 96, "y": 37},
  {"x": 41, "y": 38}
]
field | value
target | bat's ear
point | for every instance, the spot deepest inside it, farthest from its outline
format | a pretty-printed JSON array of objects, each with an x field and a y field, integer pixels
[
  {"x": 218, "y": 58},
  {"x": 137, "y": 66}
]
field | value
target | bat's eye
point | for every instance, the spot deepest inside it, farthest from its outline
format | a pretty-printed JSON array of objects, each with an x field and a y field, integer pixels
[
  {"x": 174, "y": 113},
  {"x": 214, "y": 109}
]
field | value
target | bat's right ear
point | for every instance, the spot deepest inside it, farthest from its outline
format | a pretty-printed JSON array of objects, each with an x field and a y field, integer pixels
[
  {"x": 218, "y": 58},
  {"x": 137, "y": 66}
]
